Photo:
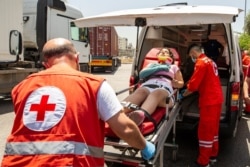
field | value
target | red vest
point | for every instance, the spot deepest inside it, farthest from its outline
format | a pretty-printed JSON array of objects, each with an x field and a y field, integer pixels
[
  {"x": 206, "y": 81},
  {"x": 245, "y": 62},
  {"x": 57, "y": 122}
]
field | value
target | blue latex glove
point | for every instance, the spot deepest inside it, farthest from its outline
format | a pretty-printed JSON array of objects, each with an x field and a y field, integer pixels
[
  {"x": 149, "y": 151},
  {"x": 180, "y": 95}
]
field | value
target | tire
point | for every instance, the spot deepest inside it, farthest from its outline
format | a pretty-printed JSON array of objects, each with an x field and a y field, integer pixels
[
  {"x": 84, "y": 67},
  {"x": 113, "y": 65},
  {"x": 92, "y": 69}
]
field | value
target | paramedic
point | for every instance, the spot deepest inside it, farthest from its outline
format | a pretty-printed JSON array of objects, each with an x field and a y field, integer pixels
[
  {"x": 245, "y": 61},
  {"x": 206, "y": 81},
  {"x": 246, "y": 91},
  {"x": 157, "y": 87},
  {"x": 60, "y": 114},
  {"x": 245, "y": 66}
]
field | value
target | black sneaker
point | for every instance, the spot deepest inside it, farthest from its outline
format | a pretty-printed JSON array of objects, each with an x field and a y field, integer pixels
[{"x": 195, "y": 164}]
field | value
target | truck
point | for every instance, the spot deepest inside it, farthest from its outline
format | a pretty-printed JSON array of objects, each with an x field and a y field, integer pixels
[
  {"x": 47, "y": 19},
  {"x": 103, "y": 48},
  {"x": 13, "y": 68},
  {"x": 34, "y": 22}
]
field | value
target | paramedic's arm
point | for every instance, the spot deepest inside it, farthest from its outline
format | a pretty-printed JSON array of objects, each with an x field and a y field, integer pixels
[
  {"x": 110, "y": 110},
  {"x": 245, "y": 89},
  {"x": 195, "y": 79},
  {"x": 127, "y": 130}
]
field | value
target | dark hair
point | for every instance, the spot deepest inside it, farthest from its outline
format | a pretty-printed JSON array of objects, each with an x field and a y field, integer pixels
[
  {"x": 171, "y": 54},
  {"x": 193, "y": 46}
]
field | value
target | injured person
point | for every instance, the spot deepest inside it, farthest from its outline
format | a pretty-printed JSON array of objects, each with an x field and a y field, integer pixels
[{"x": 159, "y": 81}]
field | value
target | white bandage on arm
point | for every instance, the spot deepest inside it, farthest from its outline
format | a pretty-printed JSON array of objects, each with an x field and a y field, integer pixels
[{"x": 107, "y": 102}]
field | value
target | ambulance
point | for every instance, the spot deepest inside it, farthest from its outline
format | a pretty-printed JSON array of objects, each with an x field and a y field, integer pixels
[{"x": 178, "y": 26}]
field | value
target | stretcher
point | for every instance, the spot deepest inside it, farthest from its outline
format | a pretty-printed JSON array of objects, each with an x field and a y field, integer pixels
[{"x": 117, "y": 151}]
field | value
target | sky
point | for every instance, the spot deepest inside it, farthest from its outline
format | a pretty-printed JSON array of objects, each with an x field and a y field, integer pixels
[{"x": 94, "y": 7}]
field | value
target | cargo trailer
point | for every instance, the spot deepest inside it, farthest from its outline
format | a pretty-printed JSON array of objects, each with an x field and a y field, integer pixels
[{"x": 103, "y": 48}]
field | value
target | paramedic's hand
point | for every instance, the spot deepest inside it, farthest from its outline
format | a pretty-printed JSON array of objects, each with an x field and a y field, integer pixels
[
  {"x": 180, "y": 95},
  {"x": 149, "y": 151}
]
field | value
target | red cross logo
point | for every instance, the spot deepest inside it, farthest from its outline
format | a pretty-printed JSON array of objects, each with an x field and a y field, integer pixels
[{"x": 42, "y": 108}]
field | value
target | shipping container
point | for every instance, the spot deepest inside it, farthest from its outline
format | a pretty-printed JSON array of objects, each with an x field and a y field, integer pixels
[{"x": 104, "y": 48}]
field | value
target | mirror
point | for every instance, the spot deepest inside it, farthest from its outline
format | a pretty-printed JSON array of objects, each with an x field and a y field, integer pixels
[{"x": 15, "y": 42}]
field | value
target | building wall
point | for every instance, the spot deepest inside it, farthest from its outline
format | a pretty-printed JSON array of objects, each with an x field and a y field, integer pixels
[{"x": 123, "y": 43}]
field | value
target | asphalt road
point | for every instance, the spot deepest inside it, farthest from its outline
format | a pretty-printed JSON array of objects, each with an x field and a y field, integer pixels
[{"x": 234, "y": 152}]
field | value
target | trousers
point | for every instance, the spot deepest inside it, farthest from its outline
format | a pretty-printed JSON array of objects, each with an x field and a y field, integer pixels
[{"x": 208, "y": 133}]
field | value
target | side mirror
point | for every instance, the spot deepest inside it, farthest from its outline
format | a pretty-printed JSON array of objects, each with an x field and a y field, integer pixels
[{"x": 15, "y": 43}]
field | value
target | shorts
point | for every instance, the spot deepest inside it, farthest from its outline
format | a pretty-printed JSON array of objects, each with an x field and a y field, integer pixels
[{"x": 153, "y": 84}]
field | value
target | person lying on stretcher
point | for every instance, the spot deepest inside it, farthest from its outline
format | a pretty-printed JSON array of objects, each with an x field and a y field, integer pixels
[{"x": 159, "y": 81}]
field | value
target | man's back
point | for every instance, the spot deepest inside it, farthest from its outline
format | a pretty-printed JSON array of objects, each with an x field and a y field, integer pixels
[
  {"x": 206, "y": 80},
  {"x": 50, "y": 107}
]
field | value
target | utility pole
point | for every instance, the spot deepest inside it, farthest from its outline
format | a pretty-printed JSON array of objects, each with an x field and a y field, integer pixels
[{"x": 245, "y": 16}]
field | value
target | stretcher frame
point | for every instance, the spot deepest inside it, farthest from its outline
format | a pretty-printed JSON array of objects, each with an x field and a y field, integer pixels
[{"x": 117, "y": 151}]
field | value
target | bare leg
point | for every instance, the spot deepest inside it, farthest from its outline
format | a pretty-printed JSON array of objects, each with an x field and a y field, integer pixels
[
  {"x": 148, "y": 101},
  {"x": 154, "y": 99},
  {"x": 138, "y": 97}
]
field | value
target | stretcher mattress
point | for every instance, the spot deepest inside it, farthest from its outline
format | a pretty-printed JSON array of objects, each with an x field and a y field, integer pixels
[{"x": 147, "y": 127}]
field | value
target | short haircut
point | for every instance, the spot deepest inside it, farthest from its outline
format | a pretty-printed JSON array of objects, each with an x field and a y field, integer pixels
[
  {"x": 194, "y": 47},
  {"x": 58, "y": 50}
]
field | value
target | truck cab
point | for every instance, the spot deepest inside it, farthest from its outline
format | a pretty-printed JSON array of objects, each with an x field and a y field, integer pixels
[
  {"x": 13, "y": 68},
  {"x": 179, "y": 26},
  {"x": 44, "y": 20}
]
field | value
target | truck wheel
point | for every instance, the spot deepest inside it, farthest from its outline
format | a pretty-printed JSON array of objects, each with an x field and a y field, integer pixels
[
  {"x": 84, "y": 67},
  {"x": 112, "y": 67}
]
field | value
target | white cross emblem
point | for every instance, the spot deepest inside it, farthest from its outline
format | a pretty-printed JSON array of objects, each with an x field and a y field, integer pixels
[{"x": 44, "y": 108}]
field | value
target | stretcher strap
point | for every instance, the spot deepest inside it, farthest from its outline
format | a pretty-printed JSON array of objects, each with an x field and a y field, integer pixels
[
  {"x": 149, "y": 117},
  {"x": 136, "y": 107},
  {"x": 129, "y": 105}
]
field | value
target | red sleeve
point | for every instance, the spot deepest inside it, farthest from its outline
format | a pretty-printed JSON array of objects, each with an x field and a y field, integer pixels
[{"x": 197, "y": 77}]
